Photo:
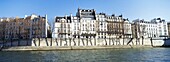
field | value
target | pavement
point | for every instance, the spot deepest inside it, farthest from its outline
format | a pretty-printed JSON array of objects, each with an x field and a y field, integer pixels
[{"x": 58, "y": 48}]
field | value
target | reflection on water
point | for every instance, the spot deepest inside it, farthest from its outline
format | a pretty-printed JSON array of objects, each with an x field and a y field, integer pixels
[{"x": 103, "y": 55}]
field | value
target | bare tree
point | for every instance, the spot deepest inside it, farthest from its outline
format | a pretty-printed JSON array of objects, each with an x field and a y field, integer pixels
[{"x": 143, "y": 32}]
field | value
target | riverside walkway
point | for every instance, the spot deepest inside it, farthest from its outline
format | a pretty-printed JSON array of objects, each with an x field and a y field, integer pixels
[{"x": 59, "y": 48}]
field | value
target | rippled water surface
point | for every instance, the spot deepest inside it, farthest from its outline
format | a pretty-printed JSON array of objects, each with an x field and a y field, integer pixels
[{"x": 102, "y": 55}]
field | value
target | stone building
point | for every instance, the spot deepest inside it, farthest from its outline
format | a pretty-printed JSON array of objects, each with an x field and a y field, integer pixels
[
  {"x": 87, "y": 22},
  {"x": 143, "y": 28},
  {"x": 62, "y": 27},
  {"x": 116, "y": 26},
  {"x": 26, "y": 28},
  {"x": 150, "y": 29},
  {"x": 3, "y": 23},
  {"x": 127, "y": 29},
  {"x": 75, "y": 27},
  {"x": 162, "y": 27},
  {"x": 101, "y": 25},
  {"x": 168, "y": 28}
]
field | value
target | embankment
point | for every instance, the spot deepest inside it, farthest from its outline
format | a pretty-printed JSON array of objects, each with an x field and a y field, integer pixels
[
  {"x": 49, "y": 48},
  {"x": 83, "y": 43}
]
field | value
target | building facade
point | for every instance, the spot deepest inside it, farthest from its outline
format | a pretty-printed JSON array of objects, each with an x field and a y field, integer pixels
[
  {"x": 89, "y": 24},
  {"x": 62, "y": 27},
  {"x": 75, "y": 27},
  {"x": 25, "y": 28},
  {"x": 87, "y": 19},
  {"x": 127, "y": 29},
  {"x": 150, "y": 29},
  {"x": 3, "y": 24},
  {"x": 161, "y": 26},
  {"x": 145, "y": 28},
  {"x": 118, "y": 27},
  {"x": 101, "y": 24},
  {"x": 168, "y": 28}
]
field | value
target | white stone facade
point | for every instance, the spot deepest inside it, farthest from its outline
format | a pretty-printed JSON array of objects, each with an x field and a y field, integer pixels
[
  {"x": 62, "y": 27},
  {"x": 162, "y": 27},
  {"x": 75, "y": 27},
  {"x": 101, "y": 25},
  {"x": 88, "y": 24},
  {"x": 152, "y": 29},
  {"x": 127, "y": 28}
]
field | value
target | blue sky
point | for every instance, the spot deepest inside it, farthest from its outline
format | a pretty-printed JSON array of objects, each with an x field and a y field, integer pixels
[{"x": 132, "y": 9}]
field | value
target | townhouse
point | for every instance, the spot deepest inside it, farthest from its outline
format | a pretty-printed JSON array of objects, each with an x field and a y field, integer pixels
[{"x": 24, "y": 28}]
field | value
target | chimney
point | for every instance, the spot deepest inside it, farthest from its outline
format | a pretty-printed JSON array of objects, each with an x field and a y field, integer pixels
[
  {"x": 46, "y": 25},
  {"x": 65, "y": 16},
  {"x": 46, "y": 17},
  {"x": 71, "y": 15}
]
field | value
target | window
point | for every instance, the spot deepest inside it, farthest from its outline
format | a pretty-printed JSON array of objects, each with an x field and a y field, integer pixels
[
  {"x": 164, "y": 26},
  {"x": 160, "y": 33},
  {"x": 68, "y": 25},
  {"x": 165, "y": 31}
]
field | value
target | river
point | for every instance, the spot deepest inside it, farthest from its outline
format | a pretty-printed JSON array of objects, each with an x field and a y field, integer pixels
[{"x": 101, "y": 55}]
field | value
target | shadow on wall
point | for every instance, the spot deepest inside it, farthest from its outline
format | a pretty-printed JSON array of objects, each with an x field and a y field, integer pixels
[
  {"x": 166, "y": 42},
  {"x": 11, "y": 43},
  {"x": 26, "y": 42}
]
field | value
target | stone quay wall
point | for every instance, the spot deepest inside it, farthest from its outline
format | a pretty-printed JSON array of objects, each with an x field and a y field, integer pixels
[
  {"x": 86, "y": 42},
  {"x": 75, "y": 42}
]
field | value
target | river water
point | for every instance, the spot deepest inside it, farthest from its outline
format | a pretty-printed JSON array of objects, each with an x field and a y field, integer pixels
[{"x": 101, "y": 55}]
